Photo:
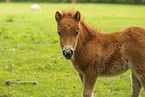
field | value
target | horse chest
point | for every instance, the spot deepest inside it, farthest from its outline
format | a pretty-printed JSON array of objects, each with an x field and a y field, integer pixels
[
  {"x": 76, "y": 67},
  {"x": 80, "y": 66}
]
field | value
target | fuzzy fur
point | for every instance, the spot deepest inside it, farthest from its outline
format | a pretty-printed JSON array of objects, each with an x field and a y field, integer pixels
[{"x": 98, "y": 54}]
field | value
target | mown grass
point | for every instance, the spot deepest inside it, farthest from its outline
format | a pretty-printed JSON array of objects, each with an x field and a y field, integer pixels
[{"x": 29, "y": 49}]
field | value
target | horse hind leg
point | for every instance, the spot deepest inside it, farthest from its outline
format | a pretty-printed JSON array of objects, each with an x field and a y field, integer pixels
[
  {"x": 142, "y": 80},
  {"x": 136, "y": 86},
  {"x": 138, "y": 77}
]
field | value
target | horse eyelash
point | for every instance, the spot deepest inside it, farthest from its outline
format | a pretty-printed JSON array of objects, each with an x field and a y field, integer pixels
[
  {"x": 58, "y": 33},
  {"x": 77, "y": 32}
]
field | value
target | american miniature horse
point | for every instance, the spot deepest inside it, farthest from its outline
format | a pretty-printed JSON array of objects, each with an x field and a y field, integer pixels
[{"x": 96, "y": 54}]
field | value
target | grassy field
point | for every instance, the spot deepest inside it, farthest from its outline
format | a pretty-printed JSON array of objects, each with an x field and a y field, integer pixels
[{"x": 29, "y": 49}]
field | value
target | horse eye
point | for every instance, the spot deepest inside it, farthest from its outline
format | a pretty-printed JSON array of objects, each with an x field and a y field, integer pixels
[
  {"x": 58, "y": 33},
  {"x": 77, "y": 32}
]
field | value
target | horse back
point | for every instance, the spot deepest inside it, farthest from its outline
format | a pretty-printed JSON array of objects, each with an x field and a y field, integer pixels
[{"x": 119, "y": 47}]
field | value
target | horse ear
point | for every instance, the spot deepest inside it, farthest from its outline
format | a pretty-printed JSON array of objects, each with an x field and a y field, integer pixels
[
  {"x": 58, "y": 16},
  {"x": 77, "y": 16}
]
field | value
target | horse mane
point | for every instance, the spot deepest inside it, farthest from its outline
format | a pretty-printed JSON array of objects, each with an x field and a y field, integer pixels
[{"x": 92, "y": 31}]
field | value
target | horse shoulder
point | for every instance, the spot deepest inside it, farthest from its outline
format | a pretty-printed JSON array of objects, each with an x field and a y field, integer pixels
[{"x": 89, "y": 55}]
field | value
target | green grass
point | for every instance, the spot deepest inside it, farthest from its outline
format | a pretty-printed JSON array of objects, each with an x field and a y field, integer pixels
[{"x": 29, "y": 49}]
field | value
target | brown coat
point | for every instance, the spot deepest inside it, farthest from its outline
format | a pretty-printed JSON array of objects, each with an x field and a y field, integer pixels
[{"x": 96, "y": 54}]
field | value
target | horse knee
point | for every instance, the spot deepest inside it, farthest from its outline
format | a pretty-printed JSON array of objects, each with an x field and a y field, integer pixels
[{"x": 87, "y": 94}]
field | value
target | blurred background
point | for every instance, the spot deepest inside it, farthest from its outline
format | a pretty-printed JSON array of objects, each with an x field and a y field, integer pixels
[
  {"x": 81, "y": 1},
  {"x": 30, "y": 50}
]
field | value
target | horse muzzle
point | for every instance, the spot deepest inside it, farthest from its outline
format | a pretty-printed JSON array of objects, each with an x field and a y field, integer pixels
[{"x": 68, "y": 52}]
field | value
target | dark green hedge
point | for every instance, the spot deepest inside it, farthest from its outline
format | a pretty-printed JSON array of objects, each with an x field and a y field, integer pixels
[{"x": 84, "y": 1}]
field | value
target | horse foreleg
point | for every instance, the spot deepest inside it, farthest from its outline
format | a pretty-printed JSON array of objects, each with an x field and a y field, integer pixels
[
  {"x": 89, "y": 79},
  {"x": 81, "y": 77}
]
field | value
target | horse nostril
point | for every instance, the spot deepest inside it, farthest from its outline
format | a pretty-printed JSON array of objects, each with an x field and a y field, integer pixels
[
  {"x": 64, "y": 52},
  {"x": 71, "y": 52}
]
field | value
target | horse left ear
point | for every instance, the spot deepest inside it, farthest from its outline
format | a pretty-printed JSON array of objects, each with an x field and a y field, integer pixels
[{"x": 77, "y": 16}]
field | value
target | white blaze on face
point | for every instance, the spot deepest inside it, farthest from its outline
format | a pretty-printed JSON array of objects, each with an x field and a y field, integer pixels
[{"x": 67, "y": 46}]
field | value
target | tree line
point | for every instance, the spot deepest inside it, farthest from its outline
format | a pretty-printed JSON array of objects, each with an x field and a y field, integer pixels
[{"x": 82, "y": 1}]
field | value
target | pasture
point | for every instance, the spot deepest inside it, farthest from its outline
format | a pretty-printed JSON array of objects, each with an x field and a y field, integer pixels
[{"x": 29, "y": 49}]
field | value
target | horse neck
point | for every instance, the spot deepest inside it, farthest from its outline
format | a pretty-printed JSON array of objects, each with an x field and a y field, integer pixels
[
  {"x": 84, "y": 37},
  {"x": 86, "y": 33}
]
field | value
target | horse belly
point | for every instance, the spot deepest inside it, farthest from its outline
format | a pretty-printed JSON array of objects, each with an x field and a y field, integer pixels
[{"x": 113, "y": 69}]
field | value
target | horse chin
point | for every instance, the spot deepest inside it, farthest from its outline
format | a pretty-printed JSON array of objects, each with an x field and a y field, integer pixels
[{"x": 68, "y": 57}]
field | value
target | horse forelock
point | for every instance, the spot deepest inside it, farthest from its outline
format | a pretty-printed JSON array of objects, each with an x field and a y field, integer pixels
[
  {"x": 89, "y": 30},
  {"x": 68, "y": 12}
]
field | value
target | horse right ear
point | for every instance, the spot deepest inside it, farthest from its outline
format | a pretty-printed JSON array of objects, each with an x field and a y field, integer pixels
[{"x": 58, "y": 16}]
